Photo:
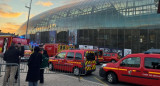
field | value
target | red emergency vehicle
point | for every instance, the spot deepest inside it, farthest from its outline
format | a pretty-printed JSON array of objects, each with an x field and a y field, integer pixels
[
  {"x": 76, "y": 61},
  {"x": 98, "y": 55},
  {"x": 111, "y": 57},
  {"x": 142, "y": 69},
  {"x": 53, "y": 49},
  {"x": 6, "y": 40}
]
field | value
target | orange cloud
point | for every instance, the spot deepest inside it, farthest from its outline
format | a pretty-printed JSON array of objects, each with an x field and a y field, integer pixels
[
  {"x": 4, "y": 14},
  {"x": 5, "y": 11},
  {"x": 9, "y": 27},
  {"x": 46, "y": 4}
]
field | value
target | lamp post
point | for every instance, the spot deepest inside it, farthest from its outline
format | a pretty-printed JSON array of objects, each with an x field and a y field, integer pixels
[{"x": 28, "y": 18}]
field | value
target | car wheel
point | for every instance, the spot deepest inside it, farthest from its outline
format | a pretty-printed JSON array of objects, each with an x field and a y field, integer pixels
[
  {"x": 76, "y": 71},
  {"x": 113, "y": 60},
  {"x": 111, "y": 78},
  {"x": 89, "y": 73},
  {"x": 51, "y": 66}
]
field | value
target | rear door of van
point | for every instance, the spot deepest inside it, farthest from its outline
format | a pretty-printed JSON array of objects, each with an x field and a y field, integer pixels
[{"x": 90, "y": 63}]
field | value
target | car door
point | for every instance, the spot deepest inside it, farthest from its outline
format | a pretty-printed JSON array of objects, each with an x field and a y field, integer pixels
[
  {"x": 151, "y": 71},
  {"x": 130, "y": 70},
  {"x": 61, "y": 59},
  {"x": 69, "y": 64}
]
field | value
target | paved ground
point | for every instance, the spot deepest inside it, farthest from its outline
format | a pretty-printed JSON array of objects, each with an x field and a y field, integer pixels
[{"x": 56, "y": 80}]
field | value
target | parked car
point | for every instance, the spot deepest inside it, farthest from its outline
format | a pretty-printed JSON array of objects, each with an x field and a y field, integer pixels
[
  {"x": 111, "y": 57},
  {"x": 142, "y": 69},
  {"x": 76, "y": 61}
]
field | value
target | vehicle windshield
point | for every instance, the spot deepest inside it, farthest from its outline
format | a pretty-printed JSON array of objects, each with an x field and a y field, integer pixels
[{"x": 26, "y": 47}]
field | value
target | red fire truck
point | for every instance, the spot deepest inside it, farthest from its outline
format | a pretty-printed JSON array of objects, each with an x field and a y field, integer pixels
[
  {"x": 53, "y": 49},
  {"x": 7, "y": 40}
]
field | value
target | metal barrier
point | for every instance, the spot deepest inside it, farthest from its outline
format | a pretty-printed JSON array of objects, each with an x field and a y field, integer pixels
[
  {"x": 3, "y": 69},
  {"x": 23, "y": 68}
]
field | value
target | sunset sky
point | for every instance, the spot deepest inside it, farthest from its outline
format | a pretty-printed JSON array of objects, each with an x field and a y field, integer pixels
[{"x": 13, "y": 12}]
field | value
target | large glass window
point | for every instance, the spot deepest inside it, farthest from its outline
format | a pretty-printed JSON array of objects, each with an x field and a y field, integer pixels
[
  {"x": 121, "y": 38},
  {"x": 131, "y": 62},
  {"x": 152, "y": 63}
]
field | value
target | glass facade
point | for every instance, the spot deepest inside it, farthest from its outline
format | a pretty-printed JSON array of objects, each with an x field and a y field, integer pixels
[{"x": 118, "y": 24}]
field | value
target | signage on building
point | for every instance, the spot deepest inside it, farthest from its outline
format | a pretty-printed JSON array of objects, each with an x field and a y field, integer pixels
[
  {"x": 85, "y": 47},
  {"x": 127, "y": 51}
]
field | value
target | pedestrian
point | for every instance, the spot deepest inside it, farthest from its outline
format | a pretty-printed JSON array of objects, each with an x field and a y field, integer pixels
[
  {"x": 44, "y": 64},
  {"x": 11, "y": 56},
  {"x": 34, "y": 63},
  {"x": 21, "y": 50}
]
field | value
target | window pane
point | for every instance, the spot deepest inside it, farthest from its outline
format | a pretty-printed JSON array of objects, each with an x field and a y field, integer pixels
[
  {"x": 131, "y": 62},
  {"x": 108, "y": 55},
  {"x": 61, "y": 55},
  {"x": 152, "y": 63},
  {"x": 70, "y": 55},
  {"x": 78, "y": 56},
  {"x": 104, "y": 54}
]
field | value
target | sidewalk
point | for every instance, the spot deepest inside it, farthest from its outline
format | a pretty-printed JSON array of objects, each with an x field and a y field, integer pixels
[{"x": 56, "y": 80}]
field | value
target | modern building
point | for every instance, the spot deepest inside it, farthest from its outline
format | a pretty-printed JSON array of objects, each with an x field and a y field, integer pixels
[{"x": 115, "y": 24}]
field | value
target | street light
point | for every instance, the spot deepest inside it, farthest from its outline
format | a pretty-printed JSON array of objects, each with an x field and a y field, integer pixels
[{"x": 28, "y": 18}]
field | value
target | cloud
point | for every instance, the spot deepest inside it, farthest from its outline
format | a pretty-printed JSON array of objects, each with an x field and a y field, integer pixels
[
  {"x": 4, "y": 14},
  {"x": 4, "y": 6},
  {"x": 46, "y": 4},
  {"x": 6, "y": 11},
  {"x": 9, "y": 27}
]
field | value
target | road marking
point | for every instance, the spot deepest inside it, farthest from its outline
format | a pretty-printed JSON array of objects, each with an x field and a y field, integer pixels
[{"x": 101, "y": 81}]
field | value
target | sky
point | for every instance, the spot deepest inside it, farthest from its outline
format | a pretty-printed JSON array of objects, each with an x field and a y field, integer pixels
[{"x": 13, "y": 13}]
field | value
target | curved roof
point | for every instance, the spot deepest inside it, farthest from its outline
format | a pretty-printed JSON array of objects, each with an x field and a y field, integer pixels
[
  {"x": 117, "y": 4},
  {"x": 124, "y": 7}
]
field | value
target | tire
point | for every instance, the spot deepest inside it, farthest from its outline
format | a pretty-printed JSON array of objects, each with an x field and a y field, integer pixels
[
  {"x": 113, "y": 61},
  {"x": 76, "y": 71},
  {"x": 111, "y": 78},
  {"x": 89, "y": 73},
  {"x": 51, "y": 67}
]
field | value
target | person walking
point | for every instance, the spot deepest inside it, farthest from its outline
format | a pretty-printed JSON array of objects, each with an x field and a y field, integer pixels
[
  {"x": 11, "y": 56},
  {"x": 44, "y": 64},
  {"x": 21, "y": 50},
  {"x": 34, "y": 63}
]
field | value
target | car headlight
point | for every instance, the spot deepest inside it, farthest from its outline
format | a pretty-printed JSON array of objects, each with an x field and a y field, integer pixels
[{"x": 103, "y": 65}]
